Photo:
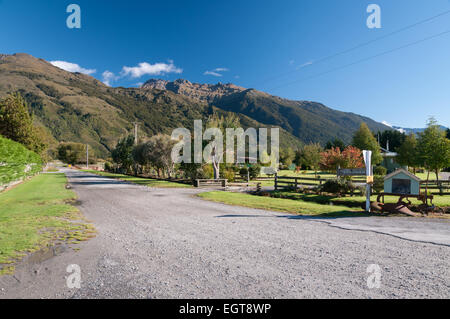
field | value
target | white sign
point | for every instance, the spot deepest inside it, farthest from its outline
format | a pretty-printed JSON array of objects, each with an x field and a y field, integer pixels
[{"x": 368, "y": 161}]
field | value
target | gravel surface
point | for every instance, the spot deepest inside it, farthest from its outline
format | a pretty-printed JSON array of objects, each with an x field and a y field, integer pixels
[{"x": 166, "y": 243}]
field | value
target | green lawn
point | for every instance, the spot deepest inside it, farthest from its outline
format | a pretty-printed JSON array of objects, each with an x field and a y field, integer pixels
[
  {"x": 36, "y": 214},
  {"x": 356, "y": 201},
  {"x": 298, "y": 207},
  {"x": 139, "y": 180},
  {"x": 323, "y": 175}
]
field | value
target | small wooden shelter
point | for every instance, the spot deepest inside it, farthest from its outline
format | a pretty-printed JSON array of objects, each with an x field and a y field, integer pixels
[{"x": 402, "y": 182}]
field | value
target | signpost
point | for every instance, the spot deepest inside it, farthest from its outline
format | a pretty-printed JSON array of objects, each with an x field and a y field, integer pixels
[
  {"x": 351, "y": 172},
  {"x": 368, "y": 161}
]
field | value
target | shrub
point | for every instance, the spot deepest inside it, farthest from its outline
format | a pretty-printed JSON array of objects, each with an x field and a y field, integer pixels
[
  {"x": 17, "y": 162},
  {"x": 253, "y": 171},
  {"x": 378, "y": 184},
  {"x": 379, "y": 170},
  {"x": 108, "y": 167},
  {"x": 228, "y": 174},
  {"x": 338, "y": 186}
]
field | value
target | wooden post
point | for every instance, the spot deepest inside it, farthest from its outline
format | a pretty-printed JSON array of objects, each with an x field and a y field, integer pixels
[{"x": 276, "y": 182}]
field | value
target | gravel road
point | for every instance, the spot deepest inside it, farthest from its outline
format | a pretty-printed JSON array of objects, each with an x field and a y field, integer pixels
[{"x": 166, "y": 243}]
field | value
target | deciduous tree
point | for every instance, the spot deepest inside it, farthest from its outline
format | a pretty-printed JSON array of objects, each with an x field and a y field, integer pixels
[
  {"x": 364, "y": 140},
  {"x": 433, "y": 148},
  {"x": 407, "y": 153}
]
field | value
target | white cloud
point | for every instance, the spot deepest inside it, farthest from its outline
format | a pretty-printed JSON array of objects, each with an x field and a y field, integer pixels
[
  {"x": 216, "y": 71},
  {"x": 145, "y": 68},
  {"x": 305, "y": 64},
  {"x": 386, "y": 123},
  {"x": 212, "y": 73},
  {"x": 72, "y": 67},
  {"x": 109, "y": 77}
]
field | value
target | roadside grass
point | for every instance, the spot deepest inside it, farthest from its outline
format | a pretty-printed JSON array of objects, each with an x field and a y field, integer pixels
[
  {"x": 355, "y": 201},
  {"x": 150, "y": 182},
  {"x": 37, "y": 214},
  {"x": 323, "y": 175},
  {"x": 297, "y": 207}
]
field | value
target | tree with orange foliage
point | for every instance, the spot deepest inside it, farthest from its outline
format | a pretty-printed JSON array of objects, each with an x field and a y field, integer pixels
[{"x": 350, "y": 157}]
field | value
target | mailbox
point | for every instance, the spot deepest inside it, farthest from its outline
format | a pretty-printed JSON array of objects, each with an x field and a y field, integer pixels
[{"x": 402, "y": 182}]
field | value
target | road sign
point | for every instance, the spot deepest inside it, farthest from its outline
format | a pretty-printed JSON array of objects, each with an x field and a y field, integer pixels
[{"x": 351, "y": 172}]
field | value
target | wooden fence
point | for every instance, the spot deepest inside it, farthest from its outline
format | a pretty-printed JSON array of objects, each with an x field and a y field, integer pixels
[
  {"x": 287, "y": 182},
  {"x": 441, "y": 187},
  {"x": 436, "y": 187}
]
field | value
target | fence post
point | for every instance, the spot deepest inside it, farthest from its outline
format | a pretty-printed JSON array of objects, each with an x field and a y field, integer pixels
[
  {"x": 296, "y": 184},
  {"x": 441, "y": 191},
  {"x": 276, "y": 182}
]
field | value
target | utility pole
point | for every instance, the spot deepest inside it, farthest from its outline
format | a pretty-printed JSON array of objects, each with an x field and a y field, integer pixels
[{"x": 87, "y": 156}]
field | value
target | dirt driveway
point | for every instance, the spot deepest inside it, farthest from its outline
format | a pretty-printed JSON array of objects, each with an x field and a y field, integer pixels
[{"x": 166, "y": 243}]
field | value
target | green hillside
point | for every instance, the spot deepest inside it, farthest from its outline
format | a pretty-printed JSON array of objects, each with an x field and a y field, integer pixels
[
  {"x": 16, "y": 161},
  {"x": 78, "y": 108},
  {"x": 308, "y": 121}
]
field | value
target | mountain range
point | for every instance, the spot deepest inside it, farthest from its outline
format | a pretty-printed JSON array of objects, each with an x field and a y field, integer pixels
[
  {"x": 77, "y": 107},
  {"x": 408, "y": 131}
]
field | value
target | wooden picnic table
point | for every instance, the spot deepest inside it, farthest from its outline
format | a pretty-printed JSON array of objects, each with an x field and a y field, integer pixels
[{"x": 420, "y": 197}]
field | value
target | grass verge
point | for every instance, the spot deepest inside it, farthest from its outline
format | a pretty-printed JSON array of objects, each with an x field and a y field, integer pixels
[
  {"x": 355, "y": 201},
  {"x": 37, "y": 214},
  {"x": 150, "y": 182},
  {"x": 282, "y": 205}
]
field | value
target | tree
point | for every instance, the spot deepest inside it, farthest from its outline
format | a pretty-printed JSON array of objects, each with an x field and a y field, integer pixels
[
  {"x": 287, "y": 156},
  {"x": 122, "y": 154},
  {"x": 335, "y": 143},
  {"x": 363, "y": 139},
  {"x": 73, "y": 153},
  {"x": 17, "y": 124},
  {"x": 310, "y": 156},
  {"x": 332, "y": 159},
  {"x": 394, "y": 137},
  {"x": 221, "y": 123},
  {"x": 157, "y": 151},
  {"x": 407, "y": 153},
  {"x": 448, "y": 133},
  {"x": 433, "y": 148}
]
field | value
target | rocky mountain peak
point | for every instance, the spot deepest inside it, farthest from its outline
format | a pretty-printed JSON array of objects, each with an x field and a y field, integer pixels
[{"x": 202, "y": 92}]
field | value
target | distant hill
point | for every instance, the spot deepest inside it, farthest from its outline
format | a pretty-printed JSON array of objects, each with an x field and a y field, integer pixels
[
  {"x": 77, "y": 107},
  {"x": 408, "y": 131},
  {"x": 309, "y": 121}
]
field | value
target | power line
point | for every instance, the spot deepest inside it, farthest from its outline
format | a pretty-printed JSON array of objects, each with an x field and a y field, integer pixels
[
  {"x": 365, "y": 59},
  {"x": 329, "y": 57}
]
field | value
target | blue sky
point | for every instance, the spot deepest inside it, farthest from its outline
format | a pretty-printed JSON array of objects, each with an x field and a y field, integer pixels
[{"x": 271, "y": 46}]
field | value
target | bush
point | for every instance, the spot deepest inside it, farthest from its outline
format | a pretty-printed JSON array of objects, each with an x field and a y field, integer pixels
[
  {"x": 380, "y": 171},
  {"x": 339, "y": 187},
  {"x": 17, "y": 162},
  {"x": 108, "y": 167},
  {"x": 228, "y": 174},
  {"x": 253, "y": 171},
  {"x": 378, "y": 184}
]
